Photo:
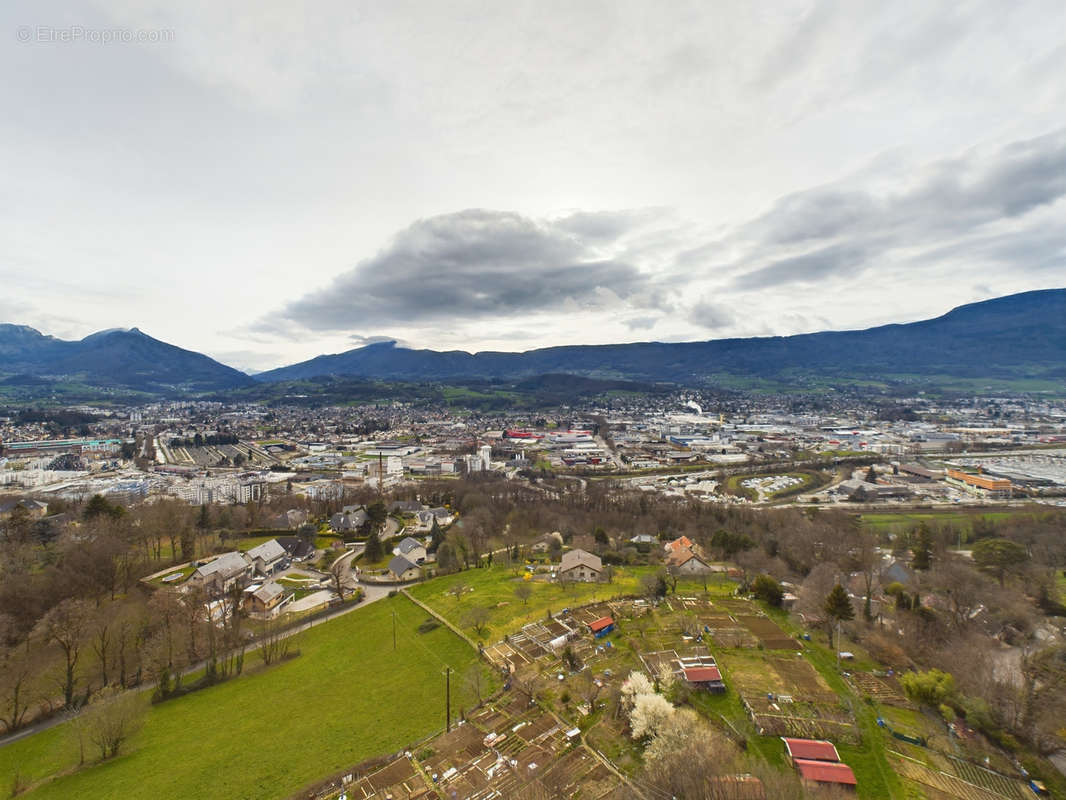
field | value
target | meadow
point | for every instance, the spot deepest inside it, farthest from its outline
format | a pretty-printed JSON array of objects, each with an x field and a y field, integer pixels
[{"x": 348, "y": 697}]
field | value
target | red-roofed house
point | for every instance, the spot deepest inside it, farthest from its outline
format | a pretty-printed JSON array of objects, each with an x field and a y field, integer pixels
[
  {"x": 810, "y": 749},
  {"x": 825, "y": 772},
  {"x": 705, "y": 678}
]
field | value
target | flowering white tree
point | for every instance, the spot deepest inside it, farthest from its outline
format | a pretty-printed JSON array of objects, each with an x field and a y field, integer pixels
[
  {"x": 635, "y": 685},
  {"x": 650, "y": 713}
]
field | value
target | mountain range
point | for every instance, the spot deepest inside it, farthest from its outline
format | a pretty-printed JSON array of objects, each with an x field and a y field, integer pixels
[
  {"x": 117, "y": 358},
  {"x": 1018, "y": 337}
]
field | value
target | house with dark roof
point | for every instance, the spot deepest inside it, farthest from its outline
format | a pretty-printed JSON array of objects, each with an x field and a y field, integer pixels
[
  {"x": 219, "y": 574},
  {"x": 296, "y": 548},
  {"x": 349, "y": 519},
  {"x": 268, "y": 557},
  {"x": 400, "y": 569},
  {"x": 411, "y": 549},
  {"x": 405, "y": 507}
]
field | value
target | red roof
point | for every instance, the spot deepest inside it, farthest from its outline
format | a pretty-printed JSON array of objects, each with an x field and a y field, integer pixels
[
  {"x": 600, "y": 624},
  {"x": 702, "y": 674},
  {"x": 825, "y": 772},
  {"x": 811, "y": 749}
]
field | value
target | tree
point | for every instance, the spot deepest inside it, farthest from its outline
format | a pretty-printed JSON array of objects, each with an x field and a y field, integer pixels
[
  {"x": 113, "y": 719},
  {"x": 523, "y": 592},
  {"x": 650, "y": 713},
  {"x": 837, "y": 605},
  {"x": 67, "y": 625},
  {"x": 436, "y": 537},
  {"x": 922, "y": 548},
  {"x": 999, "y": 556},
  {"x": 765, "y": 588},
  {"x": 928, "y": 688},
  {"x": 373, "y": 551},
  {"x": 653, "y": 585},
  {"x": 338, "y": 571},
  {"x": 477, "y": 618}
]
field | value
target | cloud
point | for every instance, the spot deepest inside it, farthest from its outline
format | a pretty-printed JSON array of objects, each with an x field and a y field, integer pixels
[
  {"x": 477, "y": 264},
  {"x": 986, "y": 203},
  {"x": 641, "y": 323},
  {"x": 711, "y": 315},
  {"x": 363, "y": 341}
]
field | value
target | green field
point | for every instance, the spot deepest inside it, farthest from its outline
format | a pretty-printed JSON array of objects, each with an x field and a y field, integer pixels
[
  {"x": 494, "y": 587},
  {"x": 348, "y": 697},
  {"x": 962, "y": 522}
]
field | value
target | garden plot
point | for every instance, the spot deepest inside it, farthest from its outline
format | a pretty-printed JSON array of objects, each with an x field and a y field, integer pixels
[
  {"x": 943, "y": 782},
  {"x": 498, "y": 751},
  {"x": 696, "y": 604},
  {"x": 733, "y": 637},
  {"x": 587, "y": 614},
  {"x": 787, "y": 697},
  {"x": 768, "y": 632},
  {"x": 879, "y": 689},
  {"x": 996, "y": 782}
]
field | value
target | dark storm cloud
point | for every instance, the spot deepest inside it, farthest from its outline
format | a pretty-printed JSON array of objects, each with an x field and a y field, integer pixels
[
  {"x": 840, "y": 230},
  {"x": 473, "y": 264}
]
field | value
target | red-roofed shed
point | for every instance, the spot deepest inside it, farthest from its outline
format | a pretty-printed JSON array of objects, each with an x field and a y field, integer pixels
[
  {"x": 811, "y": 749},
  {"x": 601, "y": 626},
  {"x": 825, "y": 772},
  {"x": 705, "y": 677}
]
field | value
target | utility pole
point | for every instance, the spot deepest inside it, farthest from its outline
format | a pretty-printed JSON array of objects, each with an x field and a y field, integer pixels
[{"x": 448, "y": 699}]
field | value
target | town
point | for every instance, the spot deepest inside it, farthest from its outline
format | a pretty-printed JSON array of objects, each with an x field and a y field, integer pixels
[{"x": 603, "y": 585}]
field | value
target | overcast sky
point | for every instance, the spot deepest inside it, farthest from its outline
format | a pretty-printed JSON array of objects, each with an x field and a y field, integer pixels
[{"x": 264, "y": 183}]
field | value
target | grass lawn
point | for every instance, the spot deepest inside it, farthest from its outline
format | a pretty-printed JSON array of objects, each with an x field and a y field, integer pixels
[
  {"x": 494, "y": 587},
  {"x": 348, "y": 697}
]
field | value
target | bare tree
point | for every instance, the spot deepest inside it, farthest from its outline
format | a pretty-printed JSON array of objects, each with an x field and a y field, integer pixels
[
  {"x": 274, "y": 645},
  {"x": 523, "y": 592},
  {"x": 16, "y": 666},
  {"x": 113, "y": 720},
  {"x": 477, "y": 618},
  {"x": 67, "y": 626},
  {"x": 338, "y": 572}
]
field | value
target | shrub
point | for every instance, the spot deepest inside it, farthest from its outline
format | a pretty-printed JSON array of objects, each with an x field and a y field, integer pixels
[
  {"x": 930, "y": 688},
  {"x": 765, "y": 588}
]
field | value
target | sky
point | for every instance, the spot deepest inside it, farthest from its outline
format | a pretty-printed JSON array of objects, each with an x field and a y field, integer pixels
[{"x": 268, "y": 181}]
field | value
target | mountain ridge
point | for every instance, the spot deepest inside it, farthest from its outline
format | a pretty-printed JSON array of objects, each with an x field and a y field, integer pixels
[{"x": 1021, "y": 335}]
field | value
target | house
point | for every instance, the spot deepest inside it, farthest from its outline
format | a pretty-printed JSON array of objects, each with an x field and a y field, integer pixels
[
  {"x": 580, "y": 565},
  {"x": 686, "y": 562},
  {"x": 223, "y": 572},
  {"x": 544, "y": 543},
  {"x": 265, "y": 599},
  {"x": 643, "y": 539},
  {"x": 268, "y": 557},
  {"x": 427, "y": 517},
  {"x": 405, "y": 507},
  {"x": 296, "y": 548},
  {"x": 411, "y": 549},
  {"x": 348, "y": 519},
  {"x": 678, "y": 545},
  {"x": 400, "y": 569},
  {"x": 897, "y": 572},
  {"x": 705, "y": 677},
  {"x": 601, "y": 627}
]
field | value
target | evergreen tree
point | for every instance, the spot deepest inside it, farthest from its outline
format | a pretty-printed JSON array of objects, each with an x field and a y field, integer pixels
[
  {"x": 922, "y": 548},
  {"x": 837, "y": 605},
  {"x": 373, "y": 550}
]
